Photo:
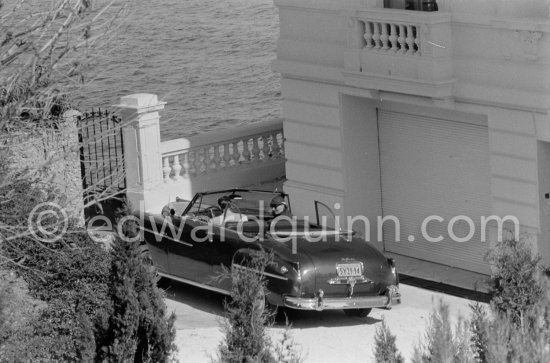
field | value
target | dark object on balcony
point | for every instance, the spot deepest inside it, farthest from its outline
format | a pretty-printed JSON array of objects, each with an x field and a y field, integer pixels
[
  {"x": 429, "y": 5},
  {"x": 418, "y": 5}
]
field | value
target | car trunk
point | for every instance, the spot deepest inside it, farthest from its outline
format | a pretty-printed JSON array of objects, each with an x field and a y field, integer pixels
[{"x": 348, "y": 256}]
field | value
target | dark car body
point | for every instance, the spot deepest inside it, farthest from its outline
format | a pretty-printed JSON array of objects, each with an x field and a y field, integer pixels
[{"x": 314, "y": 267}]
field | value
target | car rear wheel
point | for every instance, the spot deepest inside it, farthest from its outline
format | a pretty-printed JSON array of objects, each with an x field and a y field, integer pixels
[{"x": 361, "y": 313}]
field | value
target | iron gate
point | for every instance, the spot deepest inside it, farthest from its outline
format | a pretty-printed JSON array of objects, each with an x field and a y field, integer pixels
[{"x": 101, "y": 162}]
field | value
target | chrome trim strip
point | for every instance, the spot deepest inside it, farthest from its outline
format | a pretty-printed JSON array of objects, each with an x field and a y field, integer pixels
[
  {"x": 328, "y": 303},
  {"x": 310, "y": 233},
  {"x": 194, "y": 283},
  {"x": 162, "y": 236},
  {"x": 348, "y": 280},
  {"x": 258, "y": 271}
]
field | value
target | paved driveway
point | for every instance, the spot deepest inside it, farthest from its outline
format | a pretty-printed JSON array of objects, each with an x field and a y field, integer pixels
[{"x": 328, "y": 336}]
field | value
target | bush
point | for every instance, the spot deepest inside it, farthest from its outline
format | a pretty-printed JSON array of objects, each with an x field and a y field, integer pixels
[
  {"x": 70, "y": 279},
  {"x": 17, "y": 312},
  {"x": 84, "y": 287},
  {"x": 523, "y": 340},
  {"x": 443, "y": 345},
  {"x": 285, "y": 350},
  {"x": 385, "y": 350},
  {"x": 515, "y": 279},
  {"x": 480, "y": 332},
  {"x": 246, "y": 339},
  {"x": 138, "y": 329}
]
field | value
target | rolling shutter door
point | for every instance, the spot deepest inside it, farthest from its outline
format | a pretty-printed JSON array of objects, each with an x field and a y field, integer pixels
[{"x": 434, "y": 167}]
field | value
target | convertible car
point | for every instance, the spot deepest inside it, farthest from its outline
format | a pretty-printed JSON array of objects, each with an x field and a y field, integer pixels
[{"x": 315, "y": 267}]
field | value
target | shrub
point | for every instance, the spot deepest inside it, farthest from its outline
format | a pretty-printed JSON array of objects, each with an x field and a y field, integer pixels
[
  {"x": 17, "y": 312},
  {"x": 248, "y": 316},
  {"x": 285, "y": 351},
  {"x": 138, "y": 329},
  {"x": 515, "y": 279},
  {"x": 385, "y": 350},
  {"x": 479, "y": 328},
  {"x": 246, "y": 339},
  {"x": 443, "y": 345},
  {"x": 523, "y": 340}
]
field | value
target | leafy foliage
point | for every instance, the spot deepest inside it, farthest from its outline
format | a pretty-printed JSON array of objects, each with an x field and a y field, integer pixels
[
  {"x": 71, "y": 280},
  {"x": 246, "y": 339},
  {"x": 480, "y": 332},
  {"x": 45, "y": 51},
  {"x": 515, "y": 280},
  {"x": 138, "y": 328},
  {"x": 285, "y": 350},
  {"x": 385, "y": 350},
  {"x": 442, "y": 343},
  {"x": 517, "y": 327},
  {"x": 248, "y": 316}
]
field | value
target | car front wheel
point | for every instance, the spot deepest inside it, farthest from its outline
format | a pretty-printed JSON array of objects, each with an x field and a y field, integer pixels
[{"x": 361, "y": 313}]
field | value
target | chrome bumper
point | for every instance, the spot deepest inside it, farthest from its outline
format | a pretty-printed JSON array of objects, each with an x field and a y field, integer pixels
[{"x": 320, "y": 303}]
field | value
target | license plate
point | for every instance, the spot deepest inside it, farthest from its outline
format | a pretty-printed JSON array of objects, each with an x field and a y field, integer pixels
[{"x": 349, "y": 269}]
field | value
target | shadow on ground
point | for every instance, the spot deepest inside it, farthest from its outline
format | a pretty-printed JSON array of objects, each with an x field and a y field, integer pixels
[{"x": 213, "y": 303}]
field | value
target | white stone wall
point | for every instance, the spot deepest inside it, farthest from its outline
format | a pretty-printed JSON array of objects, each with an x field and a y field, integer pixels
[
  {"x": 55, "y": 153},
  {"x": 500, "y": 61}
]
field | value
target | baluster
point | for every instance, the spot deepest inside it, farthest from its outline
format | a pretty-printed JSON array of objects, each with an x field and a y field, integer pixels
[
  {"x": 226, "y": 155},
  {"x": 275, "y": 149},
  {"x": 417, "y": 41},
  {"x": 368, "y": 35},
  {"x": 255, "y": 149},
  {"x": 166, "y": 169},
  {"x": 236, "y": 153},
  {"x": 246, "y": 152},
  {"x": 216, "y": 161},
  {"x": 265, "y": 148},
  {"x": 410, "y": 40},
  {"x": 176, "y": 167},
  {"x": 186, "y": 166},
  {"x": 206, "y": 159},
  {"x": 384, "y": 36},
  {"x": 198, "y": 162},
  {"x": 281, "y": 144},
  {"x": 393, "y": 38},
  {"x": 376, "y": 36},
  {"x": 402, "y": 40}
]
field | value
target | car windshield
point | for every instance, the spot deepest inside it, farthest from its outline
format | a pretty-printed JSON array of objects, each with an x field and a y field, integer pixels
[{"x": 254, "y": 203}]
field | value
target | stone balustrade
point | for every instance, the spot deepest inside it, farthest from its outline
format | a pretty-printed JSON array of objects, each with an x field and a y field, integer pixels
[
  {"x": 400, "y": 51},
  {"x": 392, "y": 37},
  {"x": 212, "y": 152}
]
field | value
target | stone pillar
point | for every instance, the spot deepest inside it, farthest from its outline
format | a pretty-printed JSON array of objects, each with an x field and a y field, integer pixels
[
  {"x": 68, "y": 170},
  {"x": 142, "y": 153}
]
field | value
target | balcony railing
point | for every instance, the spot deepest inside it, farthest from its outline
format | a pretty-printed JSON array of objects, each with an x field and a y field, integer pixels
[
  {"x": 391, "y": 38},
  {"x": 400, "y": 51}
]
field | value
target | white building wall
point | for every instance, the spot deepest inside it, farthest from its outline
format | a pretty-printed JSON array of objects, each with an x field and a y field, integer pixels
[{"x": 500, "y": 59}]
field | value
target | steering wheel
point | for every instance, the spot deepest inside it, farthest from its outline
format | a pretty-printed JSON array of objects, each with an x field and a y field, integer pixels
[
  {"x": 213, "y": 211},
  {"x": 202, "y": 218}
]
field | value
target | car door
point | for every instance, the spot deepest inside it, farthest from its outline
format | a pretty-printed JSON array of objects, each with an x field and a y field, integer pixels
[{"x": 188, "y": 250}]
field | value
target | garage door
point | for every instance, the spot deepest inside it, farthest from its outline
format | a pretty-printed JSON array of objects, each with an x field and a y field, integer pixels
[{"x": 434, "y": 167}]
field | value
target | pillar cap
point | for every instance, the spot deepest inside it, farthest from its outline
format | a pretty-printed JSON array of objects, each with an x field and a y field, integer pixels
[{"x": 141, "y": 102}]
